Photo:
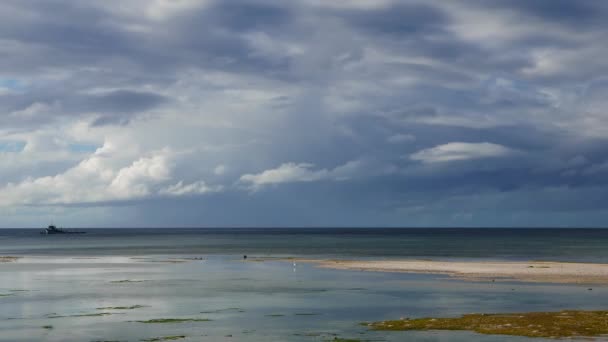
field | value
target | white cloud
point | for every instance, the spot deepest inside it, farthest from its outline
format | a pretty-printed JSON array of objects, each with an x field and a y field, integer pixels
[
  {"x": 219, "y": 170},
  {"x": 304, "y": 172},
  {"x": 460, "y": 151},
  {"x": 286, "y": 173},
  {"x": 161, "y": 9},
  {"x": 100, "y": 178},
  {"x": 154, "y": 9},
  {"x": 135, "y": 180},
  {"x": 180, "y": 189}
]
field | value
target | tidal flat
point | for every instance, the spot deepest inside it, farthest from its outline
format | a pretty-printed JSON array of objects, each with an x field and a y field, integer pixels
[{"x": 223, "y": 299}]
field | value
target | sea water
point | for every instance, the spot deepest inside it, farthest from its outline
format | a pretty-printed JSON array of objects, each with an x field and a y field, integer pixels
[{"x": 55, "y": 292}]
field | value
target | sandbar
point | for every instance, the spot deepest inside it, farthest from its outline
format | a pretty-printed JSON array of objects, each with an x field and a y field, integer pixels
[{"x": 525, "y": 271}]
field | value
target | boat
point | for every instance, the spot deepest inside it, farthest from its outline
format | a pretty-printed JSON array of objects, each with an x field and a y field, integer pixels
[{"x": 52, "y": 229}]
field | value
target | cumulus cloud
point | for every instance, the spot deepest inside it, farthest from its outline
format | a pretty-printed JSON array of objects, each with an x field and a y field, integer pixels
[
  {"x": 456, "y": 151},
  {"x": 96, "y": 180}
]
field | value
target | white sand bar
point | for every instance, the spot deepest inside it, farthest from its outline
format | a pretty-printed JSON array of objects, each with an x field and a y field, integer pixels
[{"x": 531, "y": 271}]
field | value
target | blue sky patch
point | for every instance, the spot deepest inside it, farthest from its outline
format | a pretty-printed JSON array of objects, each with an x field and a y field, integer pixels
[{"x": 11, "y": 146}]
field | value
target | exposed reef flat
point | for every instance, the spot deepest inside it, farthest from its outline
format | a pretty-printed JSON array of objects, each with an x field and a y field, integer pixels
[
  {"x": 526, "y": 271},
  {"x": 560, "y": 324}
]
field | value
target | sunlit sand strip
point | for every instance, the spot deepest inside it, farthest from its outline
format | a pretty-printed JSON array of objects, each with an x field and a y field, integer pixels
[{"x": 532, "y": 271}]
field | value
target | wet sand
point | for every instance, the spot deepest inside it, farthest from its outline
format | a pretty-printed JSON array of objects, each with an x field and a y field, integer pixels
[{"x": 525, "y": 271}]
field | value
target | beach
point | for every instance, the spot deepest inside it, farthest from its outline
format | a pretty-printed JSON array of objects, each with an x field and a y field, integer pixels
[{"x": 525, "y": 271}]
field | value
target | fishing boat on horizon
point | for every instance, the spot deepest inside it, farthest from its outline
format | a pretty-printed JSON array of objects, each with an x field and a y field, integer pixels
[{"x": 52, "y": 229}]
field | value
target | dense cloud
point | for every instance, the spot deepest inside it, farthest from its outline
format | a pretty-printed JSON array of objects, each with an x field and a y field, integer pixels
[{"x": 259, "y": 112}]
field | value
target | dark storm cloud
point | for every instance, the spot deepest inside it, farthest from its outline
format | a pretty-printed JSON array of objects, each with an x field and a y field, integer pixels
[
  {"x": 115, "y": 107},
  {"x": 59, "y": 33},
  {"x": 583, "y": 14},
  {"x": 121, "y": 104},
  {"x": 399, "y": 20},
  {"x": 124, "y": 101},
  {"x": 93, "y": 36},
  {"x": 249, "y": 15}
]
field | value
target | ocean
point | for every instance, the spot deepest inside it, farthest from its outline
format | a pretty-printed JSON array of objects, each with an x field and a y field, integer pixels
[
  {"x": 103, "y": 285},
  {"x": 587, "y": 245}
]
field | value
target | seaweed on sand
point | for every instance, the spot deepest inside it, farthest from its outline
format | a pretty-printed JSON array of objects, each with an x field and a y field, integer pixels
[
  {"x": 132, "y": 307},
  {"x": 568, "y": 323},
  {"x": 164, "y": 338},
  {"x": 174, "y": 320},
  {"x": 126, "y": 281},
  {"x": 97, "y": 314},
  {"x": 223, "y": 310}
]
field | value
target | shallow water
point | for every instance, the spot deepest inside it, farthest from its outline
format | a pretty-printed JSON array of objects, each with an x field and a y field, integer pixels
[
  {"x": 62, "y": 280},
  {"x": 247, "y": 301}
]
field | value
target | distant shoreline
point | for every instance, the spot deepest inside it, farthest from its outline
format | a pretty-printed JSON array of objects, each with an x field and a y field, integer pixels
[{"x": 524, "y": 271}]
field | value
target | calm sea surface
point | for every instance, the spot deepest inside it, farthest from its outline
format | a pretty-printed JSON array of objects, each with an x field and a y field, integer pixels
[
  {"x": 590, "y": 245},
  {"x": 71, "y": 287}
]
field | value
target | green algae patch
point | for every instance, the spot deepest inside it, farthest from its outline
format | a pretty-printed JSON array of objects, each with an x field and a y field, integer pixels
[
  {"x": 168, "y": 261},
  {"x": 164, "y": 338},
  {"x": 174, "y": 320},
  {"x": 126, "y": 281},
  {"x": 568, "y": 323},
  {"x": 97, "y": 314},
  {"x": 223, "y": 311},
  {"x": 132, "y": 307}
]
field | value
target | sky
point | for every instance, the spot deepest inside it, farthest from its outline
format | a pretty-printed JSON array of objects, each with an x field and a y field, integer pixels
[{"x": 204, "y": 113}]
